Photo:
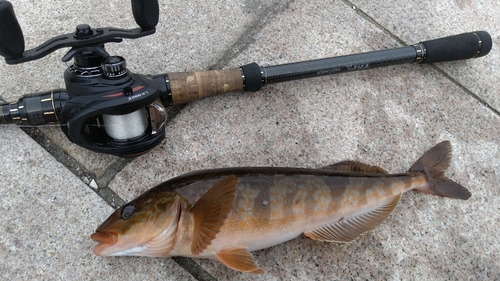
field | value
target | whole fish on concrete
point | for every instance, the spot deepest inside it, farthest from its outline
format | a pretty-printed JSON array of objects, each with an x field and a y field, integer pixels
[{"x": 227, "y": 213}]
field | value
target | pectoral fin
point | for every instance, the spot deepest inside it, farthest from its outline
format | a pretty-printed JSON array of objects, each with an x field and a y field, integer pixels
[
  {"x": 210, "y": 212},
  {"x": 349, "y": 229},
  {"x": 238, "y": 259},
  {"x": 355, "y": 166}
]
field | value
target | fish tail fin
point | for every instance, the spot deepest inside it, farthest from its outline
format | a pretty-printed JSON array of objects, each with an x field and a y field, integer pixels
[{"x": 433, "y": 163}]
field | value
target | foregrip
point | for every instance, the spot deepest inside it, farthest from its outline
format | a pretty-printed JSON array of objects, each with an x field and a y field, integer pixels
[{"x": 190, "y": 86}]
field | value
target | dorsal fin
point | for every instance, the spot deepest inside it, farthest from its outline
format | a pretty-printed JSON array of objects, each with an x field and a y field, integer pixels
[
  {"x": 355, "y": 166},
  {"x": 349, "y": 229},
  {"x": 210, "y": 212},
  {"x": 240, "y": 259}
]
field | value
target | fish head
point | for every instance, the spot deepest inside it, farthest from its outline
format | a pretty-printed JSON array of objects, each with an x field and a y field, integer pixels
[{"x": 145, "y": 226}]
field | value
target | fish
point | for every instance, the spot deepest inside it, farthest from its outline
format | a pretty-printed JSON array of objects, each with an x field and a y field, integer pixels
[{"x": 228, "y": 213}]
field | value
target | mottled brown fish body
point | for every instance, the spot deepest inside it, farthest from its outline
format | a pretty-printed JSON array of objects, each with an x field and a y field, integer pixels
[
  {"x": 273, "y": 207},
  {"x": 227, "y": 213}
]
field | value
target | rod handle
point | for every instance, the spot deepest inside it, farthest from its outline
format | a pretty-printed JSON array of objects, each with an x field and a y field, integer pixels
[
  {"x": 190, "y": 86},
  {"x": 11, "y": 35},
  {"x": 457, "y": 47},
  {"x": 146, "y": 13}
]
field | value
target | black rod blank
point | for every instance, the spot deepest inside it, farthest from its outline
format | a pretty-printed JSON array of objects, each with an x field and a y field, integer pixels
[
  {"x": 456, "y": 47},
  {"x": 328, "y": 66}
]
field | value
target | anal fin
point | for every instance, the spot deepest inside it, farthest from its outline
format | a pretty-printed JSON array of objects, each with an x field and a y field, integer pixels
[
  {"x": 210, "y": 212},
  {"x": 239, "y": 259},
  {"x": 355, "y": 166},
  {"x": 350, "y": 229}
]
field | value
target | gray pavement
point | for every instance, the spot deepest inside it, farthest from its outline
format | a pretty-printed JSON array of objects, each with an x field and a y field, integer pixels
[{"x": 389, "y": 116}]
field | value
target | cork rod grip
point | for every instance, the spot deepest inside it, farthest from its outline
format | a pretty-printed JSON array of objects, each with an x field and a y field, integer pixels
[{"x": 190, "y": 86}]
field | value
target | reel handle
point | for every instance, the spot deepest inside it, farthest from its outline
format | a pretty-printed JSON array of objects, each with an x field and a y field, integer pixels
[
  {"x": 11, "y": 35},
  {"x": 146, "y": 14},
  {"x": 457, "y": 47}
]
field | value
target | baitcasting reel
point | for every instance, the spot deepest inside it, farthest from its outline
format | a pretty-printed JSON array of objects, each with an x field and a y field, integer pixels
[{"x": 107, "y": 109}]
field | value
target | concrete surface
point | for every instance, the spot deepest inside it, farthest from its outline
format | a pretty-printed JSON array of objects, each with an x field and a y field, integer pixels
[{"x": 387, "y": 117}]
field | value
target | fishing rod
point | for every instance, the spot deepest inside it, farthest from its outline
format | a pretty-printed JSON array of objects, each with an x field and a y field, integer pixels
[{"x": 108, "y": 109}]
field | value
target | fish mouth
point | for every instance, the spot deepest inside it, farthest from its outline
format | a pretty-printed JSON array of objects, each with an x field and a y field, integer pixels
[{"x": 105, "y": 240}]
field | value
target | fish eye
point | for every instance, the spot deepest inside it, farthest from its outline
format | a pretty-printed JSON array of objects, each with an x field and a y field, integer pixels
[{"x": 127, "y": 211}]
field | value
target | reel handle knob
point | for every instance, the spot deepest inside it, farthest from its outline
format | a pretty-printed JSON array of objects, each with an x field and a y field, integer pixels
[
  {"x": 146, "y": 13},
  {"x": 11, "y": 35}
]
